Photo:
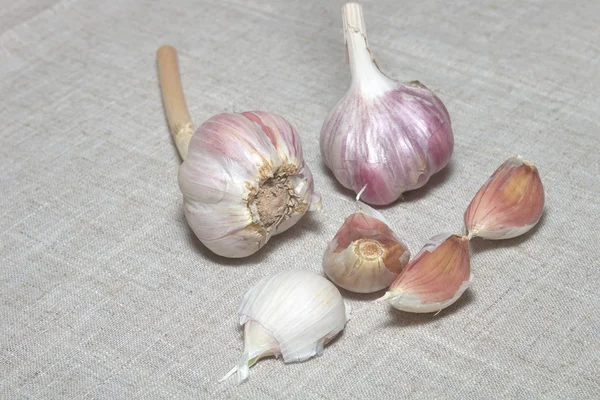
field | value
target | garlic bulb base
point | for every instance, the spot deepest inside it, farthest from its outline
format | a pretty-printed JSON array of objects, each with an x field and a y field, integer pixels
[{"x": 275, "y": 200}]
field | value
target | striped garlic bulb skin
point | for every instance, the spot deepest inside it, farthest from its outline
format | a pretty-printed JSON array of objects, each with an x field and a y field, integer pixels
[
  {"x": 244, "y": 180},
  {"x": 392, "y": 141}
]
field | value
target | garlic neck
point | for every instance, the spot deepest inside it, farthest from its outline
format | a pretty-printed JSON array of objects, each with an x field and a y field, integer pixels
[{"x": 365, "y": 74}]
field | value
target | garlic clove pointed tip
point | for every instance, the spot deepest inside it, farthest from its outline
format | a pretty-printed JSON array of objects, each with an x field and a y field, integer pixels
[
  {"x": 229, "y": 374},
  {"x": 243, "y": 371},
  {"x": 386, "y": 296}
]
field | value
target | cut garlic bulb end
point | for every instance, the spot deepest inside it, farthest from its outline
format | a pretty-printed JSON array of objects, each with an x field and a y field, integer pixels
[
  {"x": 509, "y": 204},
  {"x": 292, "y": 314},
  {"x": 435, "y": 278},
  {"x": 365, "y": 255}
]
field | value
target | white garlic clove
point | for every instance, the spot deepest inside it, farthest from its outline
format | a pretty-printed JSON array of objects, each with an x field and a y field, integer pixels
[
  {"x": 292, "y": 314},
  {"x": 384, "y": 134},
  {"x": 244, "y": 180},
  {"x": 365, "y": 255},
  {"x": 435, "y": 278},
  {"x": 509, "y": 204}
]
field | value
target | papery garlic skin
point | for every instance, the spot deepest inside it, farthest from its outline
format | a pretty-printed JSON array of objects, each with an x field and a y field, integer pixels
[
  {"x": 384, "y": 134},
  {"x": 244, "y": 180},
  {"x": 365, "y": 255},
  {"x": 435, "y": 278},
  {"x": 509, "y": 204},
  {"x": 292, "y": 314}
]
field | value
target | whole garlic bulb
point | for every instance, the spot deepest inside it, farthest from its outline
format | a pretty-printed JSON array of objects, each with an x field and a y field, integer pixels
[
  {"x": 292, "y": 314},
  {"x": 243, "y": 177},
  {"x": 244, "y": 181},
  {"x": 365, "y": 255},
  {"x": 384, "y": 134}
]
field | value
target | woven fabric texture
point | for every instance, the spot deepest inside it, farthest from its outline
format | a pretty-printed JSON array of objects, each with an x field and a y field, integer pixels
[{"x": 106, "y": 293}]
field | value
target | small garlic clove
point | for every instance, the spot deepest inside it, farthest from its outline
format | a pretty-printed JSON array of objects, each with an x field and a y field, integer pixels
[
  {"x": 365, "y": 255},
  {"x": 509, "y": 204},
  {"x": 384, "y": 134},
  {"x": 292, "y": 314},
  {"x": 435, "y": 278}
]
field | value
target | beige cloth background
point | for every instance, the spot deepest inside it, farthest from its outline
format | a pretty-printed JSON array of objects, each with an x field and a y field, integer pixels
[{"x": 107, "y": 294}]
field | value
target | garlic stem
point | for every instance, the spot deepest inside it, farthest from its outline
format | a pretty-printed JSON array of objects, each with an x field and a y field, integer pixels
[
  {"x": 178, "y": 116},
  {"x": 363, "y": 68}
]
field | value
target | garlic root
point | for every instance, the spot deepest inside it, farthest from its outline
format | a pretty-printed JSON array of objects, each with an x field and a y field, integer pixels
[{"x": 178, "y": 116}]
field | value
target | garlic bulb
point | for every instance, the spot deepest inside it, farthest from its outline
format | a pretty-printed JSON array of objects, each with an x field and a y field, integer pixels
[
  {"x": 384, "y": 134},
  {"x": 365, "y": 255},
  {"x": 243, "y": 178},
  {"x": 292, "y": 314},
  {"x": 435, "y": 278},
  {"x": 509, "y": 204}
]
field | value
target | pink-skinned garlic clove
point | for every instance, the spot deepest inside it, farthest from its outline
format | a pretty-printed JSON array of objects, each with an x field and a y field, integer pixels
[
  {"x": 365, "y": 255},
  {"x": 435, "y": 278},
  {"x": 509, "y": 204}
]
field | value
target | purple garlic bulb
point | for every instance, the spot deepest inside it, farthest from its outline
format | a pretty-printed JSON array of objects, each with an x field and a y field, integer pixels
[{"x": 385, "y": 135}]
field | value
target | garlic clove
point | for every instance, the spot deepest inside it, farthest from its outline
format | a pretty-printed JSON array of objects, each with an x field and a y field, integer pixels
[
  {"x": 292, "y": 314},
  {"x": 384, "y": 134},
  {"x": 365, "y": 255},
  {"x": 244, "y": 181},
  {"x": 435, "y": 278},
  {"x": 509, "y": 204}
]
